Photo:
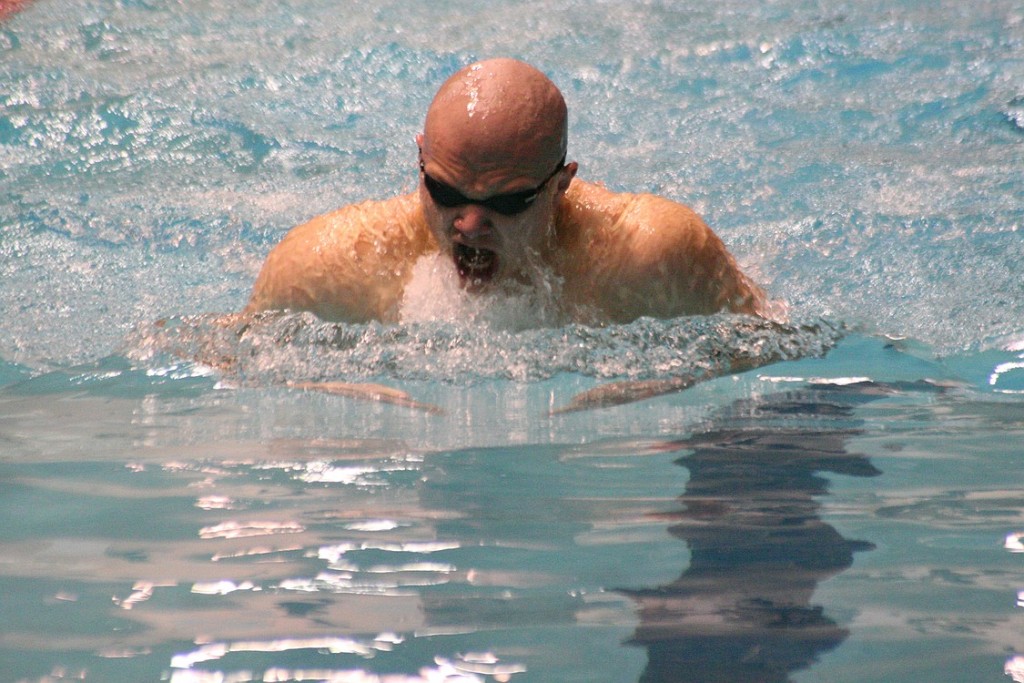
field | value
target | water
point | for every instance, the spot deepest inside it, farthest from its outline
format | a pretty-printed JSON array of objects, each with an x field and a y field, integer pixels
[{"x": 848, "y": 510}]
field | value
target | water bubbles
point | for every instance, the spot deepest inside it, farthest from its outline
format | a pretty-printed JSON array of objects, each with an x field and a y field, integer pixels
[
  {"x": 435, "y": 295},
  {"x": 287, "y": 347}
]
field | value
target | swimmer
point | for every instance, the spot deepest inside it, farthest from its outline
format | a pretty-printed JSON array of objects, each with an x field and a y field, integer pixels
[{"x": 499, "y": 201}]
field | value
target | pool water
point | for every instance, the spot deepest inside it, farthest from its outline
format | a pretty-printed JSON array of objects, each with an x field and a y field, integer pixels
[{"x": 850, "y": 509}]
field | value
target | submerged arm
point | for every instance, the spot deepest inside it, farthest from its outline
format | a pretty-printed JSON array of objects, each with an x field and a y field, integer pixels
[
  {"x": 221, "y": 342},
  {"x": 631, "y": 391},
  {"x": 731, "y": 362}
]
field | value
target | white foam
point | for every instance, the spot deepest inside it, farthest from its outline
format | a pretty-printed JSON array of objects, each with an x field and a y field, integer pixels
[{"x": 434, "y": 294}]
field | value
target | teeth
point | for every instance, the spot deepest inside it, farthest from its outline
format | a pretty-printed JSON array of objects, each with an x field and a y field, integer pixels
[
  {"x": 476, "y": 258},
  {"x": 475, "y": 264}
]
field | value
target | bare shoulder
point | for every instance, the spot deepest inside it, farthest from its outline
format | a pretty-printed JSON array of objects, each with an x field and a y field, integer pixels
[
  {"x": 648, "y": 255},
  {"x": 349, "y": 264}
]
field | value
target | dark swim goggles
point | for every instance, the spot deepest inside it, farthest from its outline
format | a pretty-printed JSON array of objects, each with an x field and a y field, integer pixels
[{"x": 506, "y": 204}]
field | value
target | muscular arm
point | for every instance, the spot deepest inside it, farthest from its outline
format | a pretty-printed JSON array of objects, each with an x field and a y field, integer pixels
[{"x": 349, "y": 265}]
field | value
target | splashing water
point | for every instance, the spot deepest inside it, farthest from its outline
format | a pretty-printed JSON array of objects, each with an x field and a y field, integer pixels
[
  {"x": 435, "y": 295},
  {"x": 446, "y": 334},
  {"x": 282, "y": 347}
]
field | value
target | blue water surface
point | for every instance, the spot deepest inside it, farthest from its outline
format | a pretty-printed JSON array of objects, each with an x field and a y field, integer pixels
[{"x": 850, "y": 509}]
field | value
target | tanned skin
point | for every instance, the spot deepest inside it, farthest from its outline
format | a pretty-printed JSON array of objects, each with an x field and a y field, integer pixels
[{"x": 494, "y": 128}]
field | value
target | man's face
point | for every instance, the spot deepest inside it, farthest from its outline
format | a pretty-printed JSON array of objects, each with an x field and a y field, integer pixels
[{"x": 496, "y": 223}]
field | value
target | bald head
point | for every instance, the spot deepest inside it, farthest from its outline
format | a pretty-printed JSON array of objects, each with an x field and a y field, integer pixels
[{"x": 497, "y": 114}]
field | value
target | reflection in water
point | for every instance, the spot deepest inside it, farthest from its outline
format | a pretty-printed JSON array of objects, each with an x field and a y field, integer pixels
[
  {"x": 346, "y": 557},
  {"x": 742, "y": 610}
]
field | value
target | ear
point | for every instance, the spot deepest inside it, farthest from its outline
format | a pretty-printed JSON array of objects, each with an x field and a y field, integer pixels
[{"x": 566, "y": 176}]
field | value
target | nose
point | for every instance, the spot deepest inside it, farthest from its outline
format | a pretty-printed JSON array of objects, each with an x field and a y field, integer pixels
[{"x": 472, "y": 221}]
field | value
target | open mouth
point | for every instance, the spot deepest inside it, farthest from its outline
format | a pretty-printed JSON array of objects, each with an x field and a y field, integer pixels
[{"x": 475, "y": 266}]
